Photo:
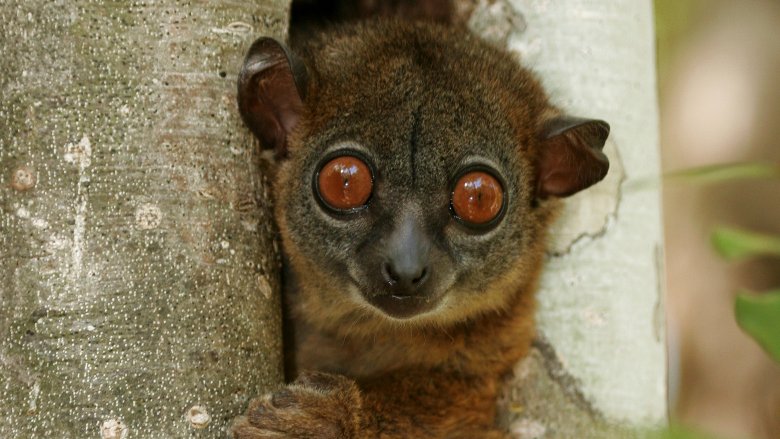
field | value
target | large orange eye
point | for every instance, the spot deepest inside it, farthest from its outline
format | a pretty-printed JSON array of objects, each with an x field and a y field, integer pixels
[
  {"x": 345, "y": 183},
  {"x": 477, "y": 197}
]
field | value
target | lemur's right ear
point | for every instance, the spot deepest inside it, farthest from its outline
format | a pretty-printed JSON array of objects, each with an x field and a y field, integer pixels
[
  {"x": 271, "y": 89},
  {"x": 571, "y": 158}
]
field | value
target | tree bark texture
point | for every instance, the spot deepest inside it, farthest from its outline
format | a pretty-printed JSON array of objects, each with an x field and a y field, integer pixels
[
  {"x": 138, "y": 269},
  {"x": 598, "y": 367}
]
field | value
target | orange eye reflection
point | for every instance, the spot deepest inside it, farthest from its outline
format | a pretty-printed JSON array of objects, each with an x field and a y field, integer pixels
[
  {"x": 345, "y": 183},
  {"x": 477, "y": 197}
]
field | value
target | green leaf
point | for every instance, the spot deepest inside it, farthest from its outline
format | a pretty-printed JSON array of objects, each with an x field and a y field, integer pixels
[
  {"x": 734, "y": 243},
  {"x": 678, "y": 432},
  {"x": 725, "y": 172},
  {"x": 759, "y": 316},
  {"x": 711, "y": 174}
]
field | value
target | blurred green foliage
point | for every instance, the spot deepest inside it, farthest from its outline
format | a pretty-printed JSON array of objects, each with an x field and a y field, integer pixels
[
  {"x": 759, "y": 316},
  {"x": 734, "y": 244},
  {"x": 723, "y": 173},
  {"x": 678, "y": 432},
  {"x": 674, "y": 20}
]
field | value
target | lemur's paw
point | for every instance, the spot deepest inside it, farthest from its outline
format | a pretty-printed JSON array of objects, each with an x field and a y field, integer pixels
[{"x": 317, "y": 405}]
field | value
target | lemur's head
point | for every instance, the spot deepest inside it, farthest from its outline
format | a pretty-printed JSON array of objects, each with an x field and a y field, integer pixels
[{"x": 420, "y": 167}]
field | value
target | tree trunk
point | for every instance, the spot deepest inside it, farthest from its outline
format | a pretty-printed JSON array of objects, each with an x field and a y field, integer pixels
[
  {"x": 138, "y": 270},
  {"x": 598, "y": 368}
]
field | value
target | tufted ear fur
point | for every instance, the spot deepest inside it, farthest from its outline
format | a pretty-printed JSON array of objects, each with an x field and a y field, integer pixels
[
  {"x": 571, "y": 159},
  {"x": 271, "y": 89}
]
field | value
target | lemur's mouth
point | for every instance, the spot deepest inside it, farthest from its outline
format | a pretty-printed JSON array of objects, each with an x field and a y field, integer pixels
[
  {"x": 403, "y": 306},
  {"x": 399, "y": 301}
]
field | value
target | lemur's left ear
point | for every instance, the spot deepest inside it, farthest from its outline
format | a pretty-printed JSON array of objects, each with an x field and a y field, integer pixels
[
  {"x": 271, "y": 89},
  {"x": 570, "y": 158}
]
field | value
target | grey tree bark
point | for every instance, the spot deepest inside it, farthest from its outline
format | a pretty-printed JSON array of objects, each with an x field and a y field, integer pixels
[
  {"x": 598, "y": 367},
  {"x": 138, "y": 270}
]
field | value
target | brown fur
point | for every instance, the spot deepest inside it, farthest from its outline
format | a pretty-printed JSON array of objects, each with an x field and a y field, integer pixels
[{"x": 386, "y": 86}]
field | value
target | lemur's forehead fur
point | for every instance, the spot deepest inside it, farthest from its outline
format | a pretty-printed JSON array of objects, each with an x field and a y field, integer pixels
[
  {"x": 401, "y": 69},
  {"x": 436, "y": 95}
]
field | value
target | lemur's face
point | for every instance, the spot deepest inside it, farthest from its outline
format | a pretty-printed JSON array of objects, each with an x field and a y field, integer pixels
[
  {"x": 418, "y": 215},
  {"x": 419, "y": 174},
  {"x": 413, "y": 219}
]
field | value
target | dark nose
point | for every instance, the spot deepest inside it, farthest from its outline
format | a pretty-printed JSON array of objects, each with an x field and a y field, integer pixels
[
  {"x": 405, "y": 276},
  {"x": 406, "y": 258}
]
